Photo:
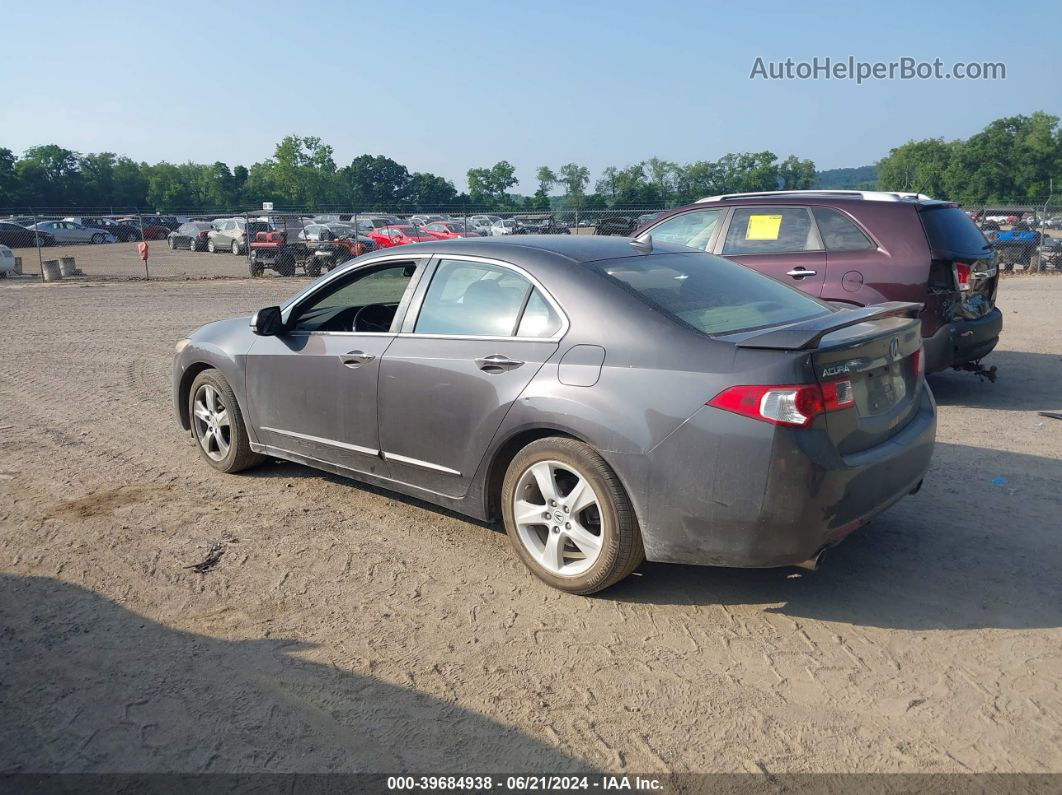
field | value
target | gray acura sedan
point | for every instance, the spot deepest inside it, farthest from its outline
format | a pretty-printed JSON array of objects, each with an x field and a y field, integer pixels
[{"x": 609, "y": 401}]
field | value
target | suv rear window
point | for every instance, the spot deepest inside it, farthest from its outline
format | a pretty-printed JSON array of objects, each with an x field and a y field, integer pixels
[
  {"x": 950, "y": 231},
  {"x": 711, "y": 294}
]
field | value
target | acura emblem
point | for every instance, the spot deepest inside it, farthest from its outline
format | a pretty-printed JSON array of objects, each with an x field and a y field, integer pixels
[{"x": 894, "y": 348}]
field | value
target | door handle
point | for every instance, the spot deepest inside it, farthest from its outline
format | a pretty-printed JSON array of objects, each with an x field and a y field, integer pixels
[
  {"x": 354, "y": 359},
  {"x": 800, "y": 273},
  {"x": 497, "y": 363}
]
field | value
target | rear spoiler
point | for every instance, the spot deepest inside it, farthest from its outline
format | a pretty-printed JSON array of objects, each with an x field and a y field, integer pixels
[{"x": 807, "y": 334}]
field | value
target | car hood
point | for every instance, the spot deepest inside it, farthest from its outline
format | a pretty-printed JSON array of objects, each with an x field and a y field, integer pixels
[{"x": 232, "y": 334}]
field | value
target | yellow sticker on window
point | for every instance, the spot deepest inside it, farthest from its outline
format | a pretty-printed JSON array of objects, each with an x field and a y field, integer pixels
[{"x": 763, "y": 227}]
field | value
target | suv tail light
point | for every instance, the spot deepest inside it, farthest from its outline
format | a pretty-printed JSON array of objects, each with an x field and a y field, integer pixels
[
  {"x": 962, "y": 275},
  {"x": 918, "y": 361},
  {"x": 792, "y": 405}
]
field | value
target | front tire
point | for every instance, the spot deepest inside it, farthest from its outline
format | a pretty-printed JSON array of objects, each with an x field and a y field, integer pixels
[
  {"x": 173, "y": 244},
  {"x": 210, "y": 246},
  {"x": 568, "y": 516},
  {"x": 97, "y": 238},
  {"x": 235, "y": 248},
  {"x": 217, "y": 424}
]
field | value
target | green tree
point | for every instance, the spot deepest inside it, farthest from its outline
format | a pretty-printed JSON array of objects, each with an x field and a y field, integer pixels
[
  {"x": 374, "y": 183},
  {"x": 574, "y": 178},
  {"x": 796, "y": 174},
  {"x": 917, "y": 166},
  {"x": 489, "y": 185}
]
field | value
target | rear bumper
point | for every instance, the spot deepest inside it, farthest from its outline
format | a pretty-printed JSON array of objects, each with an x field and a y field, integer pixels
[
  {"x": 729, "y": 491},
  {"x": 962, "y": 341}
]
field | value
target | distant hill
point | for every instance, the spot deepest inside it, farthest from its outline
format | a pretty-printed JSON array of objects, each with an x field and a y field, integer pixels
[{"x": 862, "y": 178}]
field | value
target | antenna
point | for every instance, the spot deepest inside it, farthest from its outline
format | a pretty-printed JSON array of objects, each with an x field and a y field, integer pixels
[{"x": 644, "y": 245}]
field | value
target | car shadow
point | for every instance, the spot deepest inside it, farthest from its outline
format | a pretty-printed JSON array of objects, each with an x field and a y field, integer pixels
[
  {"x": 1028, "y": 381},
  {"x": 977, "y": 547},
  {"x": 89, "y": 686}
]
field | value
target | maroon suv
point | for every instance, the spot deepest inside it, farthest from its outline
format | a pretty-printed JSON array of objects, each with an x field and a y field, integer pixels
[{"x": 859, "y": 248}]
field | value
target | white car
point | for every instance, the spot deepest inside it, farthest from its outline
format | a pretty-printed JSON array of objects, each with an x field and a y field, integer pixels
[
  {"x": 73, "y": 232},
  {"x": 482, "y": 223},
  {"x": 506, "y": 226},
  {"x": 7, "y": 262}
]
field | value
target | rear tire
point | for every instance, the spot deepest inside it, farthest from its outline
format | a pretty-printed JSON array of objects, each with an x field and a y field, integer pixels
[
  {"x": 255, "y": 268},
  {"x": 607, "y": 522},
  {"x": 233, "y": 452},
  {"x": 97, "y": 238}
]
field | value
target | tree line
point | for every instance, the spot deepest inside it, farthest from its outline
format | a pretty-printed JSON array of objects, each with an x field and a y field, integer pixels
[
  {"x": 302, "y": 173},
  {"x": 1014, "y": 159}
]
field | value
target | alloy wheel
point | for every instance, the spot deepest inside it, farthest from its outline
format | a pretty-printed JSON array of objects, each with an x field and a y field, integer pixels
[
  {"x": 558, "y": 518},
  {"x": 212, "y": 423}
]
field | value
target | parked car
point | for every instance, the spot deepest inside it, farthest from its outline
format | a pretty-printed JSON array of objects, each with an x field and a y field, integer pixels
[
  {"x": 17, "y": 236},
  {"x": 389, "y": 236},
  {"x": 860, "y": 248},
  {"x": 1051, "y": 253},
  {"x": 621, "y": 225},
  {"x": 191, "y": 235},
  {"x": 606, "y": 401},
  {"x": 1015, "y": 246},
  {"x": 277, "y": 246},
  {"x": 7, "y": 261},
  {"x": 230, "y": 234},
  {"x": 483, "y": 223},
  {"x": 539, "y": 224},
  {"x": 71, "y": 232},
  {"x": 506, "y": 226},
  {"x": 122, "y": 232},
  {"x": 154, "y": 229},
  {"x": 449, "y": 230}
]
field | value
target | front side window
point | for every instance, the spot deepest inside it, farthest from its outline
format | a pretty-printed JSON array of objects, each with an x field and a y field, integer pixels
[
  {"x": 365, "y": 301},
  {"x": 839, "y": 232},
  {"x": 770, "y": 230},
  {"x": 692, "y": 229},
  {"x": 473, "y": 299},
  {"x": 709, "y": 293}
]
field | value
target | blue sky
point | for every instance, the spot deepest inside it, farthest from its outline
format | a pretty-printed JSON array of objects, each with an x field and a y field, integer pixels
[{"x": 444, "y": 87}]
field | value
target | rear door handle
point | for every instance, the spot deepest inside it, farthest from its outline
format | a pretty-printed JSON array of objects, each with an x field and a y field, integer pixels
[
  {"x": 800, "y": 273},
  {"x": 497, "y": 363},
  {"x": 354, "y": 359}
]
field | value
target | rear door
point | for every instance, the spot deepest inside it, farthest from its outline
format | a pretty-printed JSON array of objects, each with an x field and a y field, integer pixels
[
  {"x": 780, "y": 241},
  {"x": 473, "y": 339}
]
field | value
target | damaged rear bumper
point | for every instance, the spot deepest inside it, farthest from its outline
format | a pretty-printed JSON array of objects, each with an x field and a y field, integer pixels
[{"x": 962, "y": 341}]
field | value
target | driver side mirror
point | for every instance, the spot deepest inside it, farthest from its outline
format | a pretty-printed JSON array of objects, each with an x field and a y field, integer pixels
[{"x": 267, "y": 322}]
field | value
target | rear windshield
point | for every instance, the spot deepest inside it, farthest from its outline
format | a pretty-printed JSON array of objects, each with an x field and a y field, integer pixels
[
  {"x": 709, "y": 293},
  {"x": 950, "y": 231}
]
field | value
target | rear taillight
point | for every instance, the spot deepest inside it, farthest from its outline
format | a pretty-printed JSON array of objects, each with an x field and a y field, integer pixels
[
  {"x": 794, "y": 405},
  {"x": 203, "y": 235},
  {"x": 962, "y": 275},
  {"x": 918, "y": 362}
]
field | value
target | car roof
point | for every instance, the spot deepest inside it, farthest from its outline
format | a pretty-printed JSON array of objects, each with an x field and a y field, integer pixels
[{"x": 576, "y": 248}]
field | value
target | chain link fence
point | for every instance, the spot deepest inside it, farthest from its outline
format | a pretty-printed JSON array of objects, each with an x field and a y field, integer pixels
[{"x": 294, "y": 242}]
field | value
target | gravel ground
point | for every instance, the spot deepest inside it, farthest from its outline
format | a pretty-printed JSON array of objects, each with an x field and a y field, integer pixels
[{"x": 345, "y": 628}]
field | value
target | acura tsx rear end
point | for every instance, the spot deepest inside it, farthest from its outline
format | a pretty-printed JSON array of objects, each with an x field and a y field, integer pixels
[{"x": 609, "y": 401}]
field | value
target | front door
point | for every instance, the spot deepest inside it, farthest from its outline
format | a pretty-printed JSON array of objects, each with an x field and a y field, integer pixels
[
  {"x": 312, "y": 389},
  {"x": 482, "y": 332},
  {"x": 779, "y": 241}
]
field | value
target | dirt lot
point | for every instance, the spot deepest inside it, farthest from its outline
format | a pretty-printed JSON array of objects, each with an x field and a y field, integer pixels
[{"x": 347, "y": 629}]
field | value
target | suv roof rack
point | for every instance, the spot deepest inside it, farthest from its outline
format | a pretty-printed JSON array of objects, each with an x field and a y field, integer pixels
[{"x": 866, "y": 195}]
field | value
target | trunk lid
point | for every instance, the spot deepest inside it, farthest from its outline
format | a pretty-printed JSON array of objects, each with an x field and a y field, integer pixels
[
  {"x": 868, "y": 358},
  {"x": 878, "y": 365}
]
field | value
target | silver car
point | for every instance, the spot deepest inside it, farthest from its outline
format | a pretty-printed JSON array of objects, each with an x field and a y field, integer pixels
[
  {"x": 73, "y": 232},
  {"x": 608, "y": 400}
]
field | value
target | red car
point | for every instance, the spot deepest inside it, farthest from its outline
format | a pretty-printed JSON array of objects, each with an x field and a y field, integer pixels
[
  {"x": 448, "y": 230},
  {"x": 388, "y": 236}
]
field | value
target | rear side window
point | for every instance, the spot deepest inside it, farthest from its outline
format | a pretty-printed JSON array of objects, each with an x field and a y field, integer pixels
[
  {"x": 473, "y": 299},
  {"x": 709, "y": 293},
  {"x": 839, "y": 232},
  {"x": 692, "y": 229},
  {"x": 950, "y": 231},
  {"x": 770, "y": 230}
]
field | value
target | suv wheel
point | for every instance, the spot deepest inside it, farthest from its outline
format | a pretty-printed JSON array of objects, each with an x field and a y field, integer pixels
[
  {"x": 568, "y": 516},
  {"x": 210, "y": 246},
  {"x": 217, "y": 424},
  {"x": 173, "y": 244},
  {"x": 236, "y": 248}
]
